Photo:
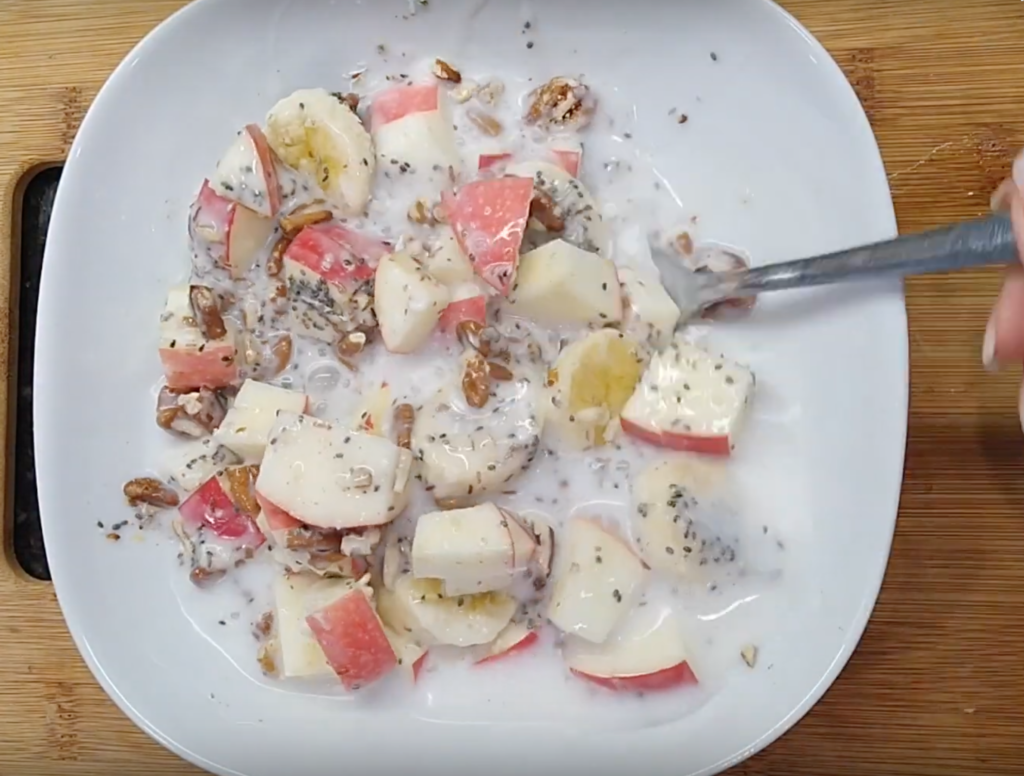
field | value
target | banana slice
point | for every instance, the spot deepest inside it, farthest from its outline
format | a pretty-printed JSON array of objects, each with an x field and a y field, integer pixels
[
  {"x": 316, "y": 133},
  {"x": 418, "y": 608},
  {"x": 671, "y": 520},
  {"x": 589, "y": 385},
  {"x": 584, "y": 226},
  {"x": 466, "y": 452}
]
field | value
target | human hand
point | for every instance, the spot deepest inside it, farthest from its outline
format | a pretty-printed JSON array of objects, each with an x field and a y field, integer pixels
[{"x": 1004, "y": 335}]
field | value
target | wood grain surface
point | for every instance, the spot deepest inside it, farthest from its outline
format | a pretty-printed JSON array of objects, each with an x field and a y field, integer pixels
[{"x": 936, "y": 685}]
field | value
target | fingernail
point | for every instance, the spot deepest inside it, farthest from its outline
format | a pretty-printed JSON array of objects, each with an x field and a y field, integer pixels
[{"x": 988, "y": 347}]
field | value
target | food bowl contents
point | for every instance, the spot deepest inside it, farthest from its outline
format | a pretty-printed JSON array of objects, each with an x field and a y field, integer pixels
[{"x": 409, "y": 321}]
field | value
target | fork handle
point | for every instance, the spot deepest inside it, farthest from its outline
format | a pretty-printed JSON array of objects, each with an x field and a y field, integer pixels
[{"x": 975, "y": 243}]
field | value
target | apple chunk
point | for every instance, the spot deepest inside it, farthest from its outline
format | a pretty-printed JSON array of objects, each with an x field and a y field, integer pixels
[
  {"x": 333, "y": 478},
  {"x": 408, "y": 302},
  {"x": 489, "y": 219},
  {"x": 646, "y": 654},
  {"x": 689, "y": 399},
  {"x": 246, "y": 428},
  {"x": 446, "y": 261},
  {"x": 193, "y": 357},
  {"x": 650, "y": 315},
  {"x": 515, "y": 638},
  {"x": 411, "y": 126},
  {"x": 242, "y": 232},
  {"x": 559, "y": 283},
  {"x": 352, "y": 639},
  {"x": 472, "y": 550},
  {"x": 598, "y": 581},
  {"x": 246, "y": 173}
]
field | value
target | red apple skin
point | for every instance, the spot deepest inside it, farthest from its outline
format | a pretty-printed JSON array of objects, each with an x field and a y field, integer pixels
[
  {"x": 277, "y": 519},
  {"x": 486, "y": 161},
  {"x": 266, "y": 158},
  {"x": 472, "y": 309},
  {"x": 568, "y": 161},
  {"x": 525, "y": 643},
  {"x": 666, "y": 679},
  {"x": 401, "y": 101},
  {"x": 210, "y": 506},
  {"x": 187, "y": 369},
  {"x": 417, "y": 667},
  {"x": 690, "y": 443},
  {"x": 353, "y": 640}
]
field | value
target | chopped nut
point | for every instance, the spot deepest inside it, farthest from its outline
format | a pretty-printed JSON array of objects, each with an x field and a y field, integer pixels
[
  {"x": 476, "y": 381},
  {"x": 293, "y": 223},
  {"x": 499, "y": 372},
  {"x": 323, "y": 540},
  {"x": 547, "y": 213},
  {"x": 439, "y": 214},
  {"x": 485, "y": 122},
  {"x": 552, "y": 377},
  {"x": 265, "y": 657},
  {"x": 282, "y": 352},
  {"x": 683, "y": 244},
  {"x": 464, "y": 91},
  {"x": 749, "y": 655},
  {"x": 405, "y": 416},
  {"x": 194, "y": 414},
  {"x": 446, "y": 72},
  {"x": 468, "y": 335},
  {"x": 276, "y": 261},
  {"x": 490, "y": 93},
  {"x": 251, "y": 349},
  {"x": 452, "y": 502},
  {"x": 561, "y": 101},
  {"x": 420, "y": 212},
  {"x": 150, "y": 491},
  {"x": 201, "y": 576},
  {"x": 113, "y": 537},
  {"x": 351, "y": 99},
  {"x": 207, "y": 312},
  {"x": 351, "y": 344},
  {"x": 264, "y": 625},
  {"x": 241, "y": 480}
]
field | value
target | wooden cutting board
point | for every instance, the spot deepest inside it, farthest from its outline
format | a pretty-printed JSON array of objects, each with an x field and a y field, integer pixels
[{"x": 936, "y": 685}]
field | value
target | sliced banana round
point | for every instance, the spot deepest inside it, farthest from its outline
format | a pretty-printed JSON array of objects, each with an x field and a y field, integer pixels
[
  {"x": 419, "y": 608},
  {"x": 316, "y": 133},
  {"x": 588, "y": 386},
  {"x": 584, "y": 226},
  {"x": 464, "y": 452},
  {"x": 673, "y": 518}
]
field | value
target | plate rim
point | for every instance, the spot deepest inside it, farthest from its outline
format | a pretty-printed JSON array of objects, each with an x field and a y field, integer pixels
[{"x": 858, "y": 625}]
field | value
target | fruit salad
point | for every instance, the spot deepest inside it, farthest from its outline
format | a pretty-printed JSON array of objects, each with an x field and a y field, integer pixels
[{"x": 408, "y": 322}]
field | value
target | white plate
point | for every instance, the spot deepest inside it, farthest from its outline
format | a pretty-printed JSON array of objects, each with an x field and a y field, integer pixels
[{"x": 777, "y": 156}]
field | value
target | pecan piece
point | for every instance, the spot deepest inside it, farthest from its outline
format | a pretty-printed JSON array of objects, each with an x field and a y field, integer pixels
[
  {"x": 476, "y": 381},
  {"x": 241, "y": 480},
  {"x": 351, "y": 344},
  {"x": 207, "y": 312},
  {"x": 485, "y": 122},
  {"x": 282, "y": 352},
  {"x": 351, "y": 99},
  {"x": 193, "y": 414},
  {"x": 445, "y": 72},
  {"x": 546, "y": 211},
  {"x": 151, "y": 492},
  {"x": 405, "y": 416},
  {"x": 499, "y": 372},
  {"x": 276, "y": 261},
  {"x": 295, "y": 222},
  {"x": 468, "y": 335},
  {"x": 561, "y": 101},
  {"x": 421, "y": 212},
  {"x": 200, "y": 576}
]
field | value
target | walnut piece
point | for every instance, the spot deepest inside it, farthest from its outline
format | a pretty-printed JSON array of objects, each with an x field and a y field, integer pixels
[
  {"x": 207, "y": 312},
  {"x": 561, "y": 102},
  {"x": 485, "y": 122},
  {"x": 351, "y": 344},
  {"x": 546, "y": 211},
  {"x": 468, "y": 335},
  {"x": 193, "y": 414},
  {"x": 405, "y": 416},
  {"x": 295, "y": 222},
  {"x": 421, "y": 212},
  {"x": 445, "y": 72},
  {"x": 351, "y": 99},
  {"x": 241, "y": 482},
  {"x": 151, "y": 492},
  {"x": 476, "y": 381},
  {"x": 499, "y": 372}
]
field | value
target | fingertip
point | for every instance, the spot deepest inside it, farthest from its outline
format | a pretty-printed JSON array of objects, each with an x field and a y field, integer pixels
[{"x": 1005, "y": 343}]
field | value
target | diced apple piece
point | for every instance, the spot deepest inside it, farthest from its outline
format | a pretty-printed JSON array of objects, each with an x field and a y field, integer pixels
[
  {"x": 246, "y": 429},
  {"x": 353, "y": 640},
  {"x": 689, "y": 399},
  {"x": 246, "y": 173},
  {"x": 411, "y": 656},
  {"x": 447, "y": 263},
  {"x": 242, "y": 232},
  {"x": 489, "y": 218},
  {"x": 487, "y": 161},
  {"x": 374, "y": 415},
  {"x": 412, "y": 125},
  {"x": 598, "y": 583},
  {"x": 647, "y": 654},
  {"x": 327, "y": 267},
  {"x": 408, "y": 302},
  {"x": 560, "y": 284},
  {"x": 190, "y": 465},
  {"x": 333, "y": 478},
  {"x": 650, "y": 314},
  {"x": 459, "y": 621},
  {"x": 514, "y": 639},
  {"x": 190, "y": 359},
  {"x": 569, "y": 160},
  {"x": 212, "y": 508},
  {"x": 472, "y": 550},
  {"x": 467, "y": 304},
  {"x": 588, "y": 386},
  {"x": 564, "y": 153},
  {"x": 675, "y": 523}
]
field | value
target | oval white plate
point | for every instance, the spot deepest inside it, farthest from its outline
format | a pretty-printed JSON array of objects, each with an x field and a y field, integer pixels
[{"x": 777, "y": 156}]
